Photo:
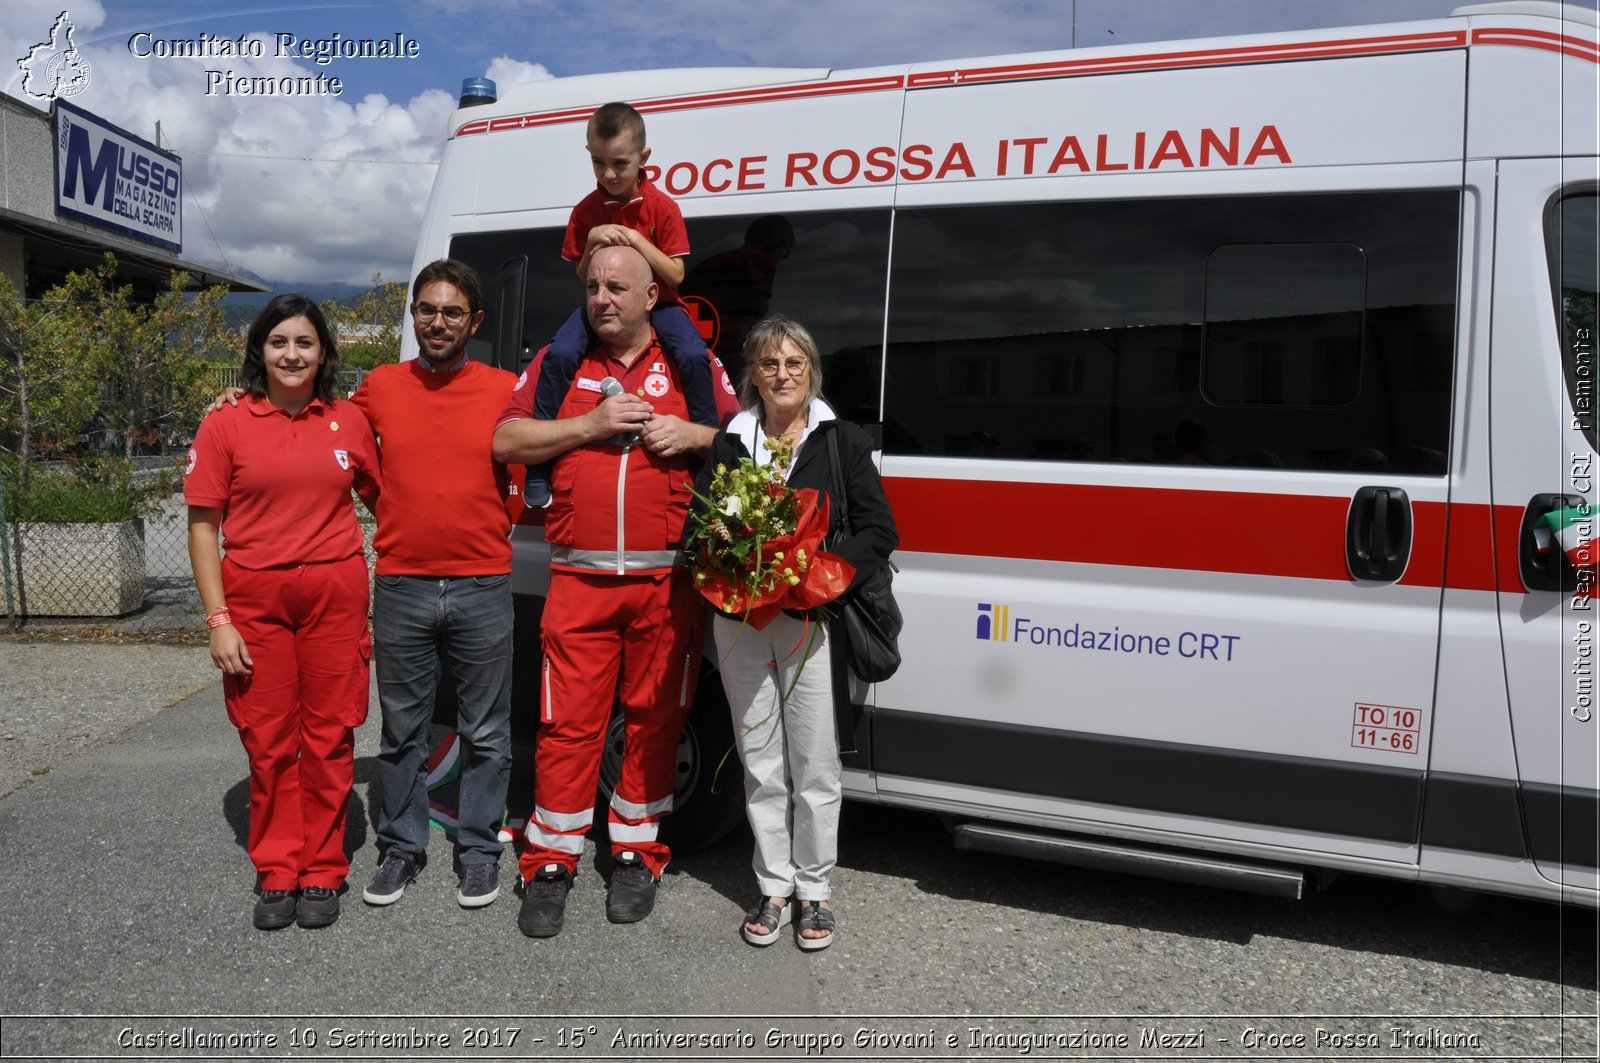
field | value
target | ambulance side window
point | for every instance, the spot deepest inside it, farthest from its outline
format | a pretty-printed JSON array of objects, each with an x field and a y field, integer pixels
[
  {"x": 1283, "y": 324},
  {"x": 551, "y": 292},
  {"x": 1309, "y": 332},
  {"x": 1574, "y": 238},
  {"x": 825, "y": 269}
]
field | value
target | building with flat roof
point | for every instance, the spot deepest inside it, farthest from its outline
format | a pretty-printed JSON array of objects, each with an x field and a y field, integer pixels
[{"x": 75, "y": 187}]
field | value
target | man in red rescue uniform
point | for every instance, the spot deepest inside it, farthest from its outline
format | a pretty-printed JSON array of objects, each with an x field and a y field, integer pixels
[{"x": 622, "y": 618}]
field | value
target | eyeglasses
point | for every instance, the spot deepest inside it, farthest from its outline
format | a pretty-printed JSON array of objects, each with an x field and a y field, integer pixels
[
  {"x": 793, "y": 366},
  {"x": 426, "y": 312}
]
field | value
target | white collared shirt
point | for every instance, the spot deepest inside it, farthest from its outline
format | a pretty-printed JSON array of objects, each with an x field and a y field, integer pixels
[{"x": 746, "y": 424}]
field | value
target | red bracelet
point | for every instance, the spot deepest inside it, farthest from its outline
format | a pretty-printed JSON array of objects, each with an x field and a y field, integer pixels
[{"x": 218, "y": 618}]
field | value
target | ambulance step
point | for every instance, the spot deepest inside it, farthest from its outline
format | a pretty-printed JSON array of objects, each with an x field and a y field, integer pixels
[{"x": 1103, "y": 855}]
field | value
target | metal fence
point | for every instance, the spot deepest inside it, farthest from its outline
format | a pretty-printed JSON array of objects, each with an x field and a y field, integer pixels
[{"x": 131, "y": 579}]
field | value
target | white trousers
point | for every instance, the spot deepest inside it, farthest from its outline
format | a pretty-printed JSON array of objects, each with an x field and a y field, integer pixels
[{"x": 790, "y": 753}]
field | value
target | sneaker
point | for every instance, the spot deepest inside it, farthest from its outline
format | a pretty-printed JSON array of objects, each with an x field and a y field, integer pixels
[
  {"x": 480, "y": 885},
  {"x": 544, "y": 902},
  {"x": 632, "y": 892},
  {"x": 397, "y": 871},
  {"x": 274, "y": 909},
  {"x": 536, "y": 493},
  {"x": 318, "y": 907}
]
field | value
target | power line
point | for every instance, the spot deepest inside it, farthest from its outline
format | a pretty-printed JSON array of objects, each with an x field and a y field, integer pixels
[{"x": 302, "y": 158}]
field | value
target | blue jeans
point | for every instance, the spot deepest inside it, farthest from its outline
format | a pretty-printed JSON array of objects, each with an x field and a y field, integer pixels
[{"x": 465, "y": 621}]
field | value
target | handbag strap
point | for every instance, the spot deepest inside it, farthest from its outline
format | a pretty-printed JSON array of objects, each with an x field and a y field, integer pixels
[{"x": 841, "y": 494}]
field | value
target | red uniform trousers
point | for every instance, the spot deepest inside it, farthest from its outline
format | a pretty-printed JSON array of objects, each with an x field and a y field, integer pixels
[
  {"x": 305, "y": 627},
  {"x": 645, "y": 631}
]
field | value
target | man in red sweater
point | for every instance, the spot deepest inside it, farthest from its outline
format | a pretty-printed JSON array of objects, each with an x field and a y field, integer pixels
[{"x": 443, "y": 584}]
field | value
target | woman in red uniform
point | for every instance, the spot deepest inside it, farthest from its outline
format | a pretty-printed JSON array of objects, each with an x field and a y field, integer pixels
[{"x": 287, "y": 604}]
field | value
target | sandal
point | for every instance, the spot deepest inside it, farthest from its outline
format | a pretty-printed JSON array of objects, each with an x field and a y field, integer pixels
[
  {"x": 773, "y": 917},
  {"x": 813, "y": 916}
]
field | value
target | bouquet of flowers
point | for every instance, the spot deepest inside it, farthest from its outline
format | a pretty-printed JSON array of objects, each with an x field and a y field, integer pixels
[{"x": 758, "y": 548}]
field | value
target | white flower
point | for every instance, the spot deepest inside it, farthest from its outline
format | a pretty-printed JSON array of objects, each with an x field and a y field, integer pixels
[{"x": 730, "y": 506}]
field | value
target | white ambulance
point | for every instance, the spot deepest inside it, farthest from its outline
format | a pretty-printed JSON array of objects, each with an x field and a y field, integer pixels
[{"x": 1220, "y": 386}]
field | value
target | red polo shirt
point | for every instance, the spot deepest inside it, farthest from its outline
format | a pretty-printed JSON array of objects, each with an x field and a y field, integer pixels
[
  {"x": 651, "y": 213},
  {"x": 283, "y": 481}
]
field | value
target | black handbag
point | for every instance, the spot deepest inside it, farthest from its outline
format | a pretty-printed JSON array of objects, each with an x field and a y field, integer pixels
[{"x": 869, "y": 617}]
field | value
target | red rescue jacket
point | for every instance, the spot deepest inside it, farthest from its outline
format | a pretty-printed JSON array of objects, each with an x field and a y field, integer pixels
[{"x": 617, "y": 508}]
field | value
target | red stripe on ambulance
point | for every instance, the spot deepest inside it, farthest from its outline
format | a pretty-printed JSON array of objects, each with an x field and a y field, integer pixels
[{"x": 1294, "y": 536}]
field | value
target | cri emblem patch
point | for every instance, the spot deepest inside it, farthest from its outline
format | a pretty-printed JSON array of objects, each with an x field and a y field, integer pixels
[
  {"x": 343, "y": 458},
  {"x": 656, "y": 384}
]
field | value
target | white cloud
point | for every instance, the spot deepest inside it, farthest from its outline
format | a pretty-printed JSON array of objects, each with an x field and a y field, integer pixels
[
  {"x": 295, "y": 188},
  {"x": 505, "y": 72}
]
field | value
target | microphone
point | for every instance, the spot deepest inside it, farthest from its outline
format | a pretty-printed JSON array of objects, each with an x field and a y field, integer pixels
[{"x": 612, "y": 386}]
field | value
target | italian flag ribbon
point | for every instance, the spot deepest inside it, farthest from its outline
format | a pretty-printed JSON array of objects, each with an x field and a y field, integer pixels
[{"x": 1572, "y": 530}]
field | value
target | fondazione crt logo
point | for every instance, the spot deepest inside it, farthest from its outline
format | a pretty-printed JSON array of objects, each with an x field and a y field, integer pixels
[
  {"x": 55, "y": 68},
  {"x": 993, "y": 620},
  {"x": 995, "y": 623}
]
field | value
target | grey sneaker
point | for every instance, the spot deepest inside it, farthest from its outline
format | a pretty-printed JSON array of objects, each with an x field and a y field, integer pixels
[
  {"x": 480, "y": 885},
  {"x": 274, "y": 909},
  {"x": 544, "y": 902},
  {"x": 397, "y": 871},
  {"x": 632, "y": 892},
  {"x": 318, "y": 907}
]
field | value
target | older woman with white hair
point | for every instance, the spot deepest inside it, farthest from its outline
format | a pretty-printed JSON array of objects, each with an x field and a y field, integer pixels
[{"x": 787, "y": 690}]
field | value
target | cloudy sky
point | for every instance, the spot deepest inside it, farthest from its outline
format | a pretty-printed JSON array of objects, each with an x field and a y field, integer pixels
[{"x": 330, "y": 188}]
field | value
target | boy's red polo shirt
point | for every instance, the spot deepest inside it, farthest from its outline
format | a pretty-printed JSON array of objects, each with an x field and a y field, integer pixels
[
  {"x": 652, "y": 213},
  {"x": 283, "y": 482}
]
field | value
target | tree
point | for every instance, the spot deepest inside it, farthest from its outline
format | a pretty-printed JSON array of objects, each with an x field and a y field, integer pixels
[
  {"x": 147, "y": 357},
  {"x": 48, "y": 395},
  {"x": 368, "y": 326}
]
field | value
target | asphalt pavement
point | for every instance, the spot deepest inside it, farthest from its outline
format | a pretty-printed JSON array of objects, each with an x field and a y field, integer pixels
[
  {"x": 125, "y": 933},
  {"x": 123, "y": 824}
]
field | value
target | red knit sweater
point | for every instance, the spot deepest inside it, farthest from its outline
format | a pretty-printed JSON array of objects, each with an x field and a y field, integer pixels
[{"x": 442, "y": 511}]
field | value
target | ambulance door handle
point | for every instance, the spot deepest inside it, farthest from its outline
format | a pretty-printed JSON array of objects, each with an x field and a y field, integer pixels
[
  {"x": 1378, "y": 534},
  {"x": 1545, "y": 568}
]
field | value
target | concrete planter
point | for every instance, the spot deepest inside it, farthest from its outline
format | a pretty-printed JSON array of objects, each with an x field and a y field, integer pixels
[{"x": 77, "y": 569}]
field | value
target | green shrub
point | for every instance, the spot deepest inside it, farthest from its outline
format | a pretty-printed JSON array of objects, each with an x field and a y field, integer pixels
[{"x": 101, "y": 491}]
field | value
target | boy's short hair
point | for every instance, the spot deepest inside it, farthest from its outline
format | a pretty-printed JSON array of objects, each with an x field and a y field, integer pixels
[
  {"x": 614, "y": 119},
  {"x": 449, "y": 270}
]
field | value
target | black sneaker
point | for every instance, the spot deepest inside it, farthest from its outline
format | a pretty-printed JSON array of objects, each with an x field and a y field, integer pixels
[
  {"x": 274, "y": 909},
  {"x": 318, "y": 907},
  {"x": 632, "y": 892},
  {"x": 397, "y": 871},
  {"x": 480, "y": 885},
  {"x": 536, "y": 492},
  {"x": 544, "y": 902}
]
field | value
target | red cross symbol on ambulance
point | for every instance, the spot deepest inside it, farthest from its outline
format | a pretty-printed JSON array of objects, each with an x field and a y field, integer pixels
[{"x": 705, "y": 319}]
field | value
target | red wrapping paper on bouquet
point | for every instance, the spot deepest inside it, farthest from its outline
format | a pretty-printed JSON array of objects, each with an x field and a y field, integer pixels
[{"x": 787, "y": 582}]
